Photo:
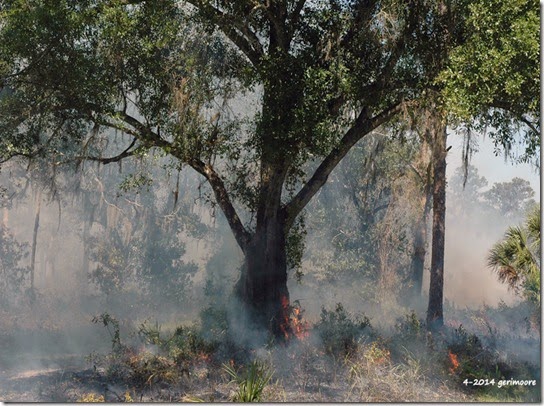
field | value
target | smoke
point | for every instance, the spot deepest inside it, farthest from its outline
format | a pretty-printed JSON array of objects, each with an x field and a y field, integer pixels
[
  {"x": 341, "y": 264},
  {"x": 468, "y": 281}
]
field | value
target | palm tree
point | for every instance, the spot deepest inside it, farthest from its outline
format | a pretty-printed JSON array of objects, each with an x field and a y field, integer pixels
[{"x": 516, "y": 258}]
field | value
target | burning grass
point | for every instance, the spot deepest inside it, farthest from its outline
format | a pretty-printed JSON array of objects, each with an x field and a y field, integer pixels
[{"x": 454, "y": 362}]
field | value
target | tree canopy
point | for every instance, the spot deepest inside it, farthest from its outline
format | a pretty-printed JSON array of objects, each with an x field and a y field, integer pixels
[
  {"x": 164, "y": 72},
  {"x": 492, "y": 78}
]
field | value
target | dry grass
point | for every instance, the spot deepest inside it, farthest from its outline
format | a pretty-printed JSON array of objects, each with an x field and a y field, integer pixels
[
  {"x": 375, "y": 378},
  {"x": 406, "y": 364}
]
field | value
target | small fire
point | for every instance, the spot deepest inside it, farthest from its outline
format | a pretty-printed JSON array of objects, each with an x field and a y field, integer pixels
[
  {"x": 203, "y": 357},
  {"x": 299, "y": 325},
  {"x": 454, "y": 361},
  {"x": 293, "y": 324},
  {"x": 285, "y": 325}
]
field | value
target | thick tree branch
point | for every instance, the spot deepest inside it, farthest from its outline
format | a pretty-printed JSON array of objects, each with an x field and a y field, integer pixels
[
  {"x": 151, "y": 138},
  {"x": 277, "y": 15},
  {"x": 363, "y": 125},
  {"x": 529, "y": 124},
  {"x": 295, "y": 17},
  {"x": 235, "y": 30},
  {"x": 105, "y": 161},
  {"x": 222, "y": 197},
  {"x": 363, "y": 14},
  {"x": 510, "y": 109},
  {"x": 144, "y": 133}
]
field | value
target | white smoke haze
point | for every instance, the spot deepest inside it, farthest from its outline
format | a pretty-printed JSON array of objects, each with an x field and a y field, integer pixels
[
  {"x": 468, "y": 280},
  {"x": 58, "y": 335}
]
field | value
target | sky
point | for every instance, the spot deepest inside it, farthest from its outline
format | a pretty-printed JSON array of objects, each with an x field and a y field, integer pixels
[{"x": 492, "y": 167}]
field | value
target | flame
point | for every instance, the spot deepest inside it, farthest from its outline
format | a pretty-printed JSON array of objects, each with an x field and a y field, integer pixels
[
  {"x": 299, "y": 325},
  {"x": 293, "y": 324},
  {"x": 454, "y": 361},
  {"x": 285, "y": 325},
  {"x": 203, "y": 357}
]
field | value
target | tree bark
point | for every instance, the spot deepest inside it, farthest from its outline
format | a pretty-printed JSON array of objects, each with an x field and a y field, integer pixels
[
  {"x": 418, "y": 257},
  {"x": 435, "y": 316},
  {"x": 420, "y": 234},
  {"x": 262, "y": 286}
]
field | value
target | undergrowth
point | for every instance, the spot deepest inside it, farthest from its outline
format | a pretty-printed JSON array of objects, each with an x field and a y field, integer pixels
[
  {"x": 341, "y": 351},
  {"x": 340, "y": 332}
]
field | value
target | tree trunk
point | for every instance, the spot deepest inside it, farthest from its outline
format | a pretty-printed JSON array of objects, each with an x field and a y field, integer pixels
[
  {"x": 89, "y": 210},
  {"x": 423, "y": 172},
  {"x": 418, "y": 257},
  {"x": 420, "y": 243},
  {"x": 263, "y": 283},
  {"x": 435, "y": 316}
]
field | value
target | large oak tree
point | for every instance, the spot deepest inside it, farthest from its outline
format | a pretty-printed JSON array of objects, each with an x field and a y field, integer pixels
[{"x": 166, "y": 76}]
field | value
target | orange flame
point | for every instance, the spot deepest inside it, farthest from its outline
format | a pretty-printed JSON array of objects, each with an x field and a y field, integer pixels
[
  {"x": 454, "y": 361},
  {"x": 203, "y": 357},
  {"x": 299, "y": 325},
  {"x": 293, "y": 323},
  {"x": 285, "y": 326}
]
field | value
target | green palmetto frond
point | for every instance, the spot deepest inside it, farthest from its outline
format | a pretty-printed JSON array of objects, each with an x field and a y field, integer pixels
[
  {"x": 506, "y": 257},
  {"x": 516, "y": 259},
  {"x": 251, "y": 383},
  {"x": 533, "y": 229}
]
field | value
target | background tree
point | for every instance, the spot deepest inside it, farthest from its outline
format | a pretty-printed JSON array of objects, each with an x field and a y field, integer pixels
[
  {"x": 466, "y": 188},
  {"x": 361, "y": 226},
  {"x": 511, "y": 199},
  {"x": 13, "y": 272},
  {"x": 137, "y": 236}
]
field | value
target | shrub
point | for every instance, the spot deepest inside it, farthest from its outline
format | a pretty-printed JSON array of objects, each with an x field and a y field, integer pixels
[
  {"x": 339, "y": 332},
  {"x": 377, "y": 353},
  {"x": 147, "y": 369},
  {"x": 214, "y": 323},
  {"x": 185, "y": 344},
  {"x": 473, "y": 361},
  {"x": 410, "y": 327},
  {"x": 112, "y": 325}
]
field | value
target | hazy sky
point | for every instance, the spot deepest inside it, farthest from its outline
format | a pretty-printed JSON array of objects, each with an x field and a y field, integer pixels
[{"x": 493, "y": 168}]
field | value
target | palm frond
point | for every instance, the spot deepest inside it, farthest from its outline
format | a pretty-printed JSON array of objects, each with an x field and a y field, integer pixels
[{"x": 516, "y": 258}]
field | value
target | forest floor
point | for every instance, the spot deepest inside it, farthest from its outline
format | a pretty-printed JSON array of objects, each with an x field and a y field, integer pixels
[
  {"x": 341, "y": 358},
  {"x": 69, "y": 382}
]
